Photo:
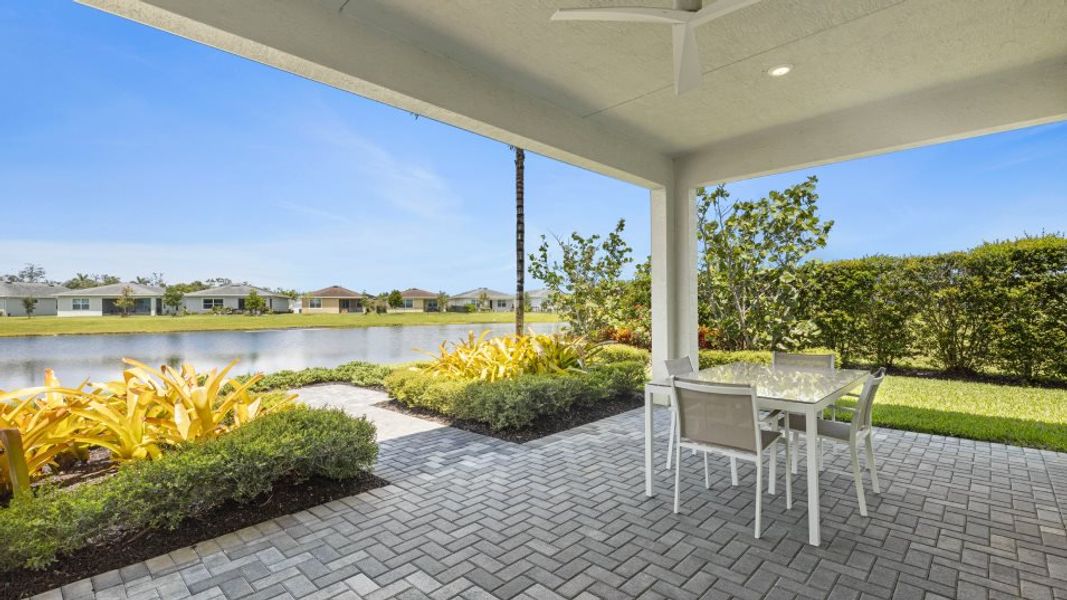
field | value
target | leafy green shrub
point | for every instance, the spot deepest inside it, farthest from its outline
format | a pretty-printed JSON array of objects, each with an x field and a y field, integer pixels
[
  {"x": 621, "y": 377},
  {"x": 1001, "y": 305},
  {"x": 356, "y": 373},
  {"x": 712, "y": 358},
  {"x": 518, "y": 402},
  {"x": 612, "y": 353},
  {"x": 291, "y": 445}
]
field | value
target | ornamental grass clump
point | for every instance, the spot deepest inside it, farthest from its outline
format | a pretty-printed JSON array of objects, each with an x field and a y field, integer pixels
[{"x": 508, "y": 357}]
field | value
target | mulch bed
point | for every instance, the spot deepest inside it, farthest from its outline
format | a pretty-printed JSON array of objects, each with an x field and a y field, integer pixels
[
  {"x": 138, "y": 546},
  {"x": 542, "y": 427}
]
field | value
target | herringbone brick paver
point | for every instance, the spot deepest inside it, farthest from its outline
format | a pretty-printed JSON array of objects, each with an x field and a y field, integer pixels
[{"x": 468, "y": 516}]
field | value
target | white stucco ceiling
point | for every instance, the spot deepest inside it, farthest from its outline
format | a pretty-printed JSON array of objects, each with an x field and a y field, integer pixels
[{"x": 869, "y": 75}]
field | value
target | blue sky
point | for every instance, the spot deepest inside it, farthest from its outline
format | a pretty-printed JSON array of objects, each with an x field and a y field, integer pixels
[{"x": 127, "y": 150}]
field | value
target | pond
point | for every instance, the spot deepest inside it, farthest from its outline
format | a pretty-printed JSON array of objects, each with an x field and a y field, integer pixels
[{"x": 99, "y": 357}]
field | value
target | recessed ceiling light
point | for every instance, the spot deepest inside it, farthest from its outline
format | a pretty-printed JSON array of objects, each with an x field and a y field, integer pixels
[{"x": 779, "y": 70}]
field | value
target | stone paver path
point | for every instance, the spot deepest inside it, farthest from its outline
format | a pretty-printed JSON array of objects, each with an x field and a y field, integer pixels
[
  {"x": 358, "y": 401},
  {"x": 565, "y": 517}
]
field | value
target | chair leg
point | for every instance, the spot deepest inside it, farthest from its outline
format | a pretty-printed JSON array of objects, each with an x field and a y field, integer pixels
[
  {"x": 672, "y": 432},
  {"x": 788, "y": 475},
  {"x": 733, "y": 471},
  {"x": 707, "y": 474},
  {"x": 857, "y": 475},
  {"x": 759, "y": 494},
  {"x": 773, "y": 470},
  {"x": 870, "y": 462},
  {"x": 677, "y": 474},
  {"x": 796, "y": 455}
]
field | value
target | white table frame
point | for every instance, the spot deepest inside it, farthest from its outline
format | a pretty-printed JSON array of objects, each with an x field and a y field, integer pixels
[{"x": 811, "y": 412}]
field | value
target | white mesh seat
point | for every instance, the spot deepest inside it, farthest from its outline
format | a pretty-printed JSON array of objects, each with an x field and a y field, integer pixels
[
  {"x": 723, "y": 418},
  {"x": 680, "y": 367},
  {"x": 809, "y": 361},
  {"x": 859, "y": 430}
]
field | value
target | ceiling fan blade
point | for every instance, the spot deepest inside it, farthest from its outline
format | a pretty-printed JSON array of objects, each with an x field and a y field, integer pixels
[
  {"x": 623, "y": 14},
  {"x": 688, "y": 74},
  {"x": 717, "y": 9}
]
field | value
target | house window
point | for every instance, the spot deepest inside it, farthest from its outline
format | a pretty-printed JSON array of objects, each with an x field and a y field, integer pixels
[
  {"x": 315, "y": 303},
  {"x": 431, "y": 305},
  {"x": 79, "y": 304},
  {"x": 211, "y": 303},
  {"x": 501, "y": 303},
  {"x": 409, "y": 303}
]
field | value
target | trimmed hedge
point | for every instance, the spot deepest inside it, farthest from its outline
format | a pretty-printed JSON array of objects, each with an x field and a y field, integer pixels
[
  {"x": 355, "y": 372},
  {"x": 515, "y": 403},
  {"x": 1000, "y": 306},
  {"x": 711, "y": 358},
  {"x": 708, "y": 358},
  {"x": 293, "y": 445}
]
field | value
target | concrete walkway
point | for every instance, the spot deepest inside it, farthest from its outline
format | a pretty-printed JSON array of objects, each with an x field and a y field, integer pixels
[{"x": 358, "y": 401}]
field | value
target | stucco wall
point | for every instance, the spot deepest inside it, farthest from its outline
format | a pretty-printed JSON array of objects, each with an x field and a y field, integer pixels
[
  {"x": 13, "y": 307},
  {"x": 66, "y": 308}
]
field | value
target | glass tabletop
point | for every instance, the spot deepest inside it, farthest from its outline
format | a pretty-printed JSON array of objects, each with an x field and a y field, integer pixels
[{"x": 794, "y": 384}]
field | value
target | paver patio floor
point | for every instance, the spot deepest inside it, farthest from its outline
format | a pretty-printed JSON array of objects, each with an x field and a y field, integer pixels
[{"x": 565, "y": 516}]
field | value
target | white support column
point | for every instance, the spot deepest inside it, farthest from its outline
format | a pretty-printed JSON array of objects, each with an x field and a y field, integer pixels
[{"x": 674, "y": 275}]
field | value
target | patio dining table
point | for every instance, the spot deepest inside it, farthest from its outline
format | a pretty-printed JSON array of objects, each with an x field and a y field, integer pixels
[{"x": 805, "y": 391}]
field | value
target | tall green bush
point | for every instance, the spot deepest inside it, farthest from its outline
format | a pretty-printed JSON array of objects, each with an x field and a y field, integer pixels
[{"x": 1001, "y": 305}]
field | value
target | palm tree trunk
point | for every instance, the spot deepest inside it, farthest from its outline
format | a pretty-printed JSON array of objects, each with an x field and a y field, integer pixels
[{"x": 520, "y": 241}]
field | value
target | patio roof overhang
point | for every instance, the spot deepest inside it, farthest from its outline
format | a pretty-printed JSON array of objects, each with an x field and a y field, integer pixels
[{"x": 868, "y": 77}]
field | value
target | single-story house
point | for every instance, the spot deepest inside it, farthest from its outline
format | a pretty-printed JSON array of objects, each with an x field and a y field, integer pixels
[
  {"x": 100, "y": 300},
  {"x": 484, "y": 299},
  {"x": 538, "y": 300},
  {"x": 232, "y": 297},
  {"x": 334, "y": 300},
  {"x": 416, "y": 300},
  {"x": 12, "y": 295}
]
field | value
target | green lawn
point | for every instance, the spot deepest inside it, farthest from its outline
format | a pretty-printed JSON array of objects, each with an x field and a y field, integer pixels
[
  {"x": 1022, "y": 416},
  {"x": 15, "y": 326}
]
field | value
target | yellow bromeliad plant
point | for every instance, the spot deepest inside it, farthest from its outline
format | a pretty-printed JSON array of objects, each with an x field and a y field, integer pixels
[
  {"x": 510, "y": 356},
  {"x": 136, "y": 417},
  {"x": 31, "y": 433}
]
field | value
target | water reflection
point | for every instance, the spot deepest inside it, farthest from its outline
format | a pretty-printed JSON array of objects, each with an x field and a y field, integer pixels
[{"x": 98, "y": 357}]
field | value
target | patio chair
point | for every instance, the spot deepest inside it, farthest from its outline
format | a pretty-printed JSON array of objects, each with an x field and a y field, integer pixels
[
  {"x": 810, "y": 361},
  {"x": 677, "y": 367},
  {"x": 859, "y": 430},
  {"x": 724, "y": 419}
]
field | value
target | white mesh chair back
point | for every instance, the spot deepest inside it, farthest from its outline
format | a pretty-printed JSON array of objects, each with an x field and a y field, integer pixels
[
  {"x": 717, "y": 414},
  {"x": 680, "y": 366},
  {"x": 862, "y": 418},
  {"x": 805, "y": 361}
]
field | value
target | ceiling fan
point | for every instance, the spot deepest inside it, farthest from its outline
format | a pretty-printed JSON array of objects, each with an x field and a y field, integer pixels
[{"x": 684, "y": 18}]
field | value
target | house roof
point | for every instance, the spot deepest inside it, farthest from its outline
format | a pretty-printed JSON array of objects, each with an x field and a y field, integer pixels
[
  {"x": 18, "y": 289},
  {"x": 335, "y": 291},
  {"x": 239, "y": 291},
  {"x": 114, "y": 290},
  {"x": 542, "y": 293},
  {"x": 477, "y": 293},
  {"x": 417, "y": 293}
]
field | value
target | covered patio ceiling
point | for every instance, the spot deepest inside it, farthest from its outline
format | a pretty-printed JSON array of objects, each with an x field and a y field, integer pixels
[{"x": 868, "y": 76}]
